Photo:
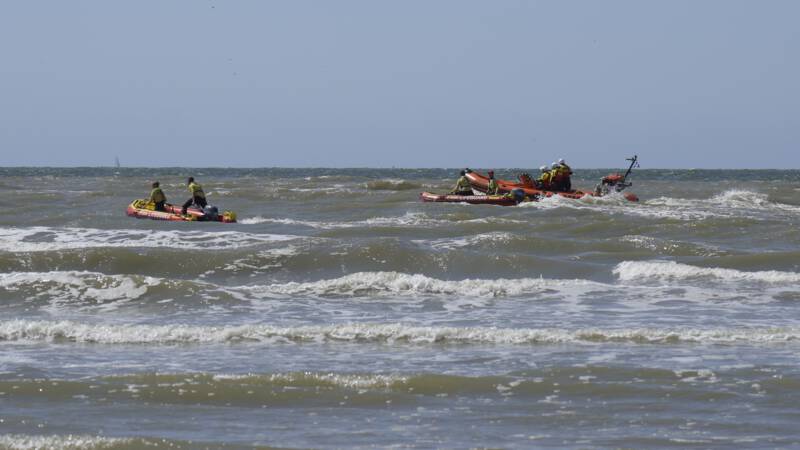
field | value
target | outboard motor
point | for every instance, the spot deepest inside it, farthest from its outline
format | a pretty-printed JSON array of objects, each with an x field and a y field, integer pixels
[
  {"x": 210, "y": 212},
  {"x": 518, "y": 194},
  {"x": 616, "y": 181},
  {"x": 526, "y": 180}
]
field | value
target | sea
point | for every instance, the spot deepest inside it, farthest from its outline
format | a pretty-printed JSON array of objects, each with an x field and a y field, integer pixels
[{"x": 342, "y": 312}]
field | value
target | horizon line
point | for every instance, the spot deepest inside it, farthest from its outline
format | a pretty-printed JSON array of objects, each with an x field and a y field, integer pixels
[{"x": 367, "y": 168}]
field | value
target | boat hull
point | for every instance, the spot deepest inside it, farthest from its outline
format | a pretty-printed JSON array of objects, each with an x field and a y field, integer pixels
[{"x": 499, "y": 200}]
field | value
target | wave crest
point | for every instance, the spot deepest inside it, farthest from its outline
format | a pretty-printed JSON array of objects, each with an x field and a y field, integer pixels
[
  {"x": 68, "y": 442},
  {"x": 671, "y": 270},
  {"x": 391, "y": 185},
  {"x": 52, "y": 331},
  {"x": 39, "y": 239},
  {"x": 396, "y": 283},
  {"x": 78, "y": 285}
]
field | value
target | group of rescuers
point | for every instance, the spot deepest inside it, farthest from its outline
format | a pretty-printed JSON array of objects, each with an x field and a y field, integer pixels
[
  {"x": 158, "y": 198},
  {"x": 555, "y": 178}
]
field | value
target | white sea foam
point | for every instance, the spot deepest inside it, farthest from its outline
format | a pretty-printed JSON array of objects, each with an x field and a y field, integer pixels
[
  {"x": 28, "y": 330},
  {"x": 93, "y": 287},
  {"x": 467, "y": 241},
  {"x": 389, "y": 184},
  {"x": 65, "y": 442},
  {"x": 82, "y": 286},
  {"x": 338, "y": 188},
  {"x": 743, "y": 199},
  {"x": 352, "y": 381},
  {"x": 36, "y": 239},
  {"x": 669, "y": 246},
  {"x": 261, "y": 219},
  {"x": 670, "y": 270},
  {"x": 731, "y": 203},
  {"x": 409, "y": 219},
  {"x": 396, "y": 283},
  {"x": 263, "y": 260},
  {"x": 617, "y": 204}
]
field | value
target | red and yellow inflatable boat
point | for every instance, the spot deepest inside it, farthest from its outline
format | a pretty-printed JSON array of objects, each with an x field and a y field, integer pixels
[{"x": 142, "y": 209}]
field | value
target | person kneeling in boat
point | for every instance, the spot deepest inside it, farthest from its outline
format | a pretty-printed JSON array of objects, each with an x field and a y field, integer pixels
[
  {"x": 198, "y": 196},
  {"x": 462, "y": 186},
  {"x": 492, "y": 188},
  {"x": 545, "y": 179},
  {"x": 157, "y": 197},
  {"x": 566, "y": 173},
  {"x": 556, "y": 178}
]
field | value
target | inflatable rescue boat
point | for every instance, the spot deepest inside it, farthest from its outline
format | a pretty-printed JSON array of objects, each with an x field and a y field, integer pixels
[
  {"x": 615, "y": 182},
  {"x": 501, "y": 200},
  {"x": 143, "y": 209}
]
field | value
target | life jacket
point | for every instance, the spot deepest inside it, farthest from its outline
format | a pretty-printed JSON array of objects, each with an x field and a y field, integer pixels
[
  {"x": 556, "y": 177},
  {"x": 196, "y": 190},
  {"x": 157, "y": 195},
  {"x": 463, "y": 184},
  {"x": 546, "y": 179},
  {"x": 491, "y": 188}
]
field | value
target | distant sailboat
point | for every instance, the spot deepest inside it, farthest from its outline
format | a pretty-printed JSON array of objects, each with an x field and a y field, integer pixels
[{"x": 116, "y": 163}]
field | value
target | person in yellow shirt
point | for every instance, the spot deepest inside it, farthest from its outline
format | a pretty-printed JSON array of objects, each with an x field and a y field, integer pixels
[
  {"x": 556, "y": 177},
  {"x": 566, "y": 173},
  {"x": 545, "y": 178},
  {"x": 198, "y": 196},
  {"x": 492, "y": 188},
  {"x": 462, "y": 186},
  {"x": 157, "y": 197}
]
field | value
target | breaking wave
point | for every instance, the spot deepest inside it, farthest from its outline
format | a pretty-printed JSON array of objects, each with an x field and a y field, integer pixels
[
  {"x": 391, "y": 185},
  {"x": 38, "y": 239},
  {"x": 94, "y": 287},
  {"x": 410, "y": 219},
  {"x": 671, "y": 270},
  {"x": 91, "y": 286},
  {"x": 733, "y": 203},
  {"x": 69, "y": 331},
  {"x": 395, "y": 283},
  {"x": 81, "y": 442},
  {"x": 67, "y": 442}
]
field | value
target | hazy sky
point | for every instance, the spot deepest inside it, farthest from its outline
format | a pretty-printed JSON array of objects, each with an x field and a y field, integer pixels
[{"x": 407, "y": 83}]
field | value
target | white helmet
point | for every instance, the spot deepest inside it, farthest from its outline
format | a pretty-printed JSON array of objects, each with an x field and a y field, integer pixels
[
  {"x": 555, "y": 165},
  {"x": 543, "y": 168},
  {"x": 561, "y": 161}
]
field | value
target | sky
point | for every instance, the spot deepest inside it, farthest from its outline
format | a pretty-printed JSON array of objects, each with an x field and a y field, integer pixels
[{"x": 413, "y": 83}]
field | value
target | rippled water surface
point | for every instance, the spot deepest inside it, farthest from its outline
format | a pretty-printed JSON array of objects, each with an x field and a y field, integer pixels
[{"x": 342, "y": 312}]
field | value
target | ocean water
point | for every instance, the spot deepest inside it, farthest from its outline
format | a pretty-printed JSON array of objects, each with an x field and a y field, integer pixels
[{"x": 341, "y": 312}]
